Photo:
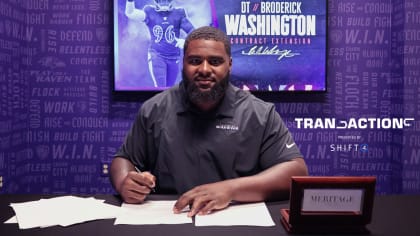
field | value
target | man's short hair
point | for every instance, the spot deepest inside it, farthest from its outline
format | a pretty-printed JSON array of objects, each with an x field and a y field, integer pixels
[{"x": 208, "y": 33}]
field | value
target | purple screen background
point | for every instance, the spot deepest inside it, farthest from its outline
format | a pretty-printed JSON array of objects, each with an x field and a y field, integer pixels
[
  {"x": 257, "y": 73},
  {"x": 267, "y": 73}
]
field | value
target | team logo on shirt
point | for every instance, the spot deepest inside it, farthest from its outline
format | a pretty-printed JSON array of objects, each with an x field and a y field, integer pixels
[{"x": 229, "y": 127}]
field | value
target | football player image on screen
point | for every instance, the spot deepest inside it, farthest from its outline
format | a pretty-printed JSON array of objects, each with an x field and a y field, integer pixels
[{"x": 165, "y": 23}]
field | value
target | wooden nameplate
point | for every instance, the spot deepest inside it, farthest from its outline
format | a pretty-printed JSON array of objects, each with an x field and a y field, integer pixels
[{"x": 329, "y": 205}]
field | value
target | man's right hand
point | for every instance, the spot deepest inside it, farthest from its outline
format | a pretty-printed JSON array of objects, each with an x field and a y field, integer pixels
[{"x": 136, "y": 186}]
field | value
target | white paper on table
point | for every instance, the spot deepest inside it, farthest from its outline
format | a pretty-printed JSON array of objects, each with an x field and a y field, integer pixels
[
  {"x": 29, "y": 214},
  {"x": 91, "y": 209},
  {"x": 151, "y": 212},
  {"x": 64, "y": 211},
  {"x": 12, "y": 220},
  {"x": 253, "y": 214}
]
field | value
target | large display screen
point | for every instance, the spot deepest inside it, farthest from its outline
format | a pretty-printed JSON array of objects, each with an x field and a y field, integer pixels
[{"x": 276, "y": 45}]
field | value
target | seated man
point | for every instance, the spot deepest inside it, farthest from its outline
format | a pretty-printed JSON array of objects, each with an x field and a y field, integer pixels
[{"x": 207, "y": 140}]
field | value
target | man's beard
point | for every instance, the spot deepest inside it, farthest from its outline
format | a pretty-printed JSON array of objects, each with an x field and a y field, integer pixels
[{"x": 196, "y": 96}]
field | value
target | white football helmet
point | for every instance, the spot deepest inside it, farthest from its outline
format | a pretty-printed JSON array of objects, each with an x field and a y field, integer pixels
[{"x": 163, "y": 5}]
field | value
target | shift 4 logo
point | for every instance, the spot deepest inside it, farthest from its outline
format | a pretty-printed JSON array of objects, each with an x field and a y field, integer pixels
[
  {"x": 364, "y": 147},
  {"x": 349, "y": 147}
]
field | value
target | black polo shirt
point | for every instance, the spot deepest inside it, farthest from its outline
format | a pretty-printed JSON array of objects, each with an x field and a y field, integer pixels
[{"x": 184, "y": 148}]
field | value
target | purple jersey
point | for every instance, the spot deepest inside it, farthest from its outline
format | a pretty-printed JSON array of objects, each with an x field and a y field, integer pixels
[{"x": 164, "y": 27}]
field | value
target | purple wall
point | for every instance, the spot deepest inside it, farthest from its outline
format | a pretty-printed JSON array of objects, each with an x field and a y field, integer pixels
[{"x": 60, "y": 123}]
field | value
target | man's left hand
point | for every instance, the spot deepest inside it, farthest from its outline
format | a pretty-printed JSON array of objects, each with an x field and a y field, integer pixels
[{"x": 205, "y": 198}]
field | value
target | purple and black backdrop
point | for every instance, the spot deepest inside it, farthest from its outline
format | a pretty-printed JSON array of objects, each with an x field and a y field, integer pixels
[
  {"x": 276, "y": 45},
  {"x": 60, "y": 123}
]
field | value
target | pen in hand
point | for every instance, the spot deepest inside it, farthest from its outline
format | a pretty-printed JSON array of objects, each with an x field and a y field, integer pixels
[{"x": 138, "y": 171}]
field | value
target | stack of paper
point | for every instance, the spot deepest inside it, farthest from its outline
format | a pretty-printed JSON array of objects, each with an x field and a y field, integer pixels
[
  {"x": 64, "y": 211},
  {"x": 70, "y": 210}
]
